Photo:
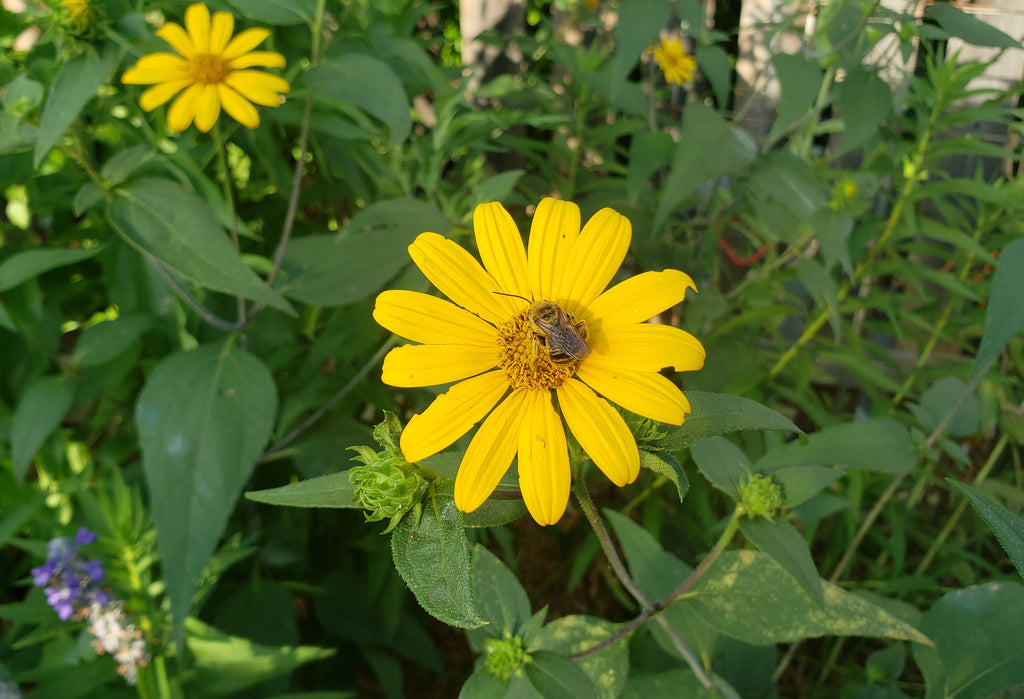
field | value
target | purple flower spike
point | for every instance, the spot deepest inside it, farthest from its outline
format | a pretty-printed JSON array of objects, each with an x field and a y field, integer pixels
[
  {"x": 94, "y": 569},
  {"x": 85, "y": 536}
]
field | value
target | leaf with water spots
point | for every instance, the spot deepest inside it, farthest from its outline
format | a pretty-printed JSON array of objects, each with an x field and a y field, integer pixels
[{"x": 203, "y": 419}]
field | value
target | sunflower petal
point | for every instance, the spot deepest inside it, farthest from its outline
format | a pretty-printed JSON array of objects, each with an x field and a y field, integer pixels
[
  {"x": 544, "y": 475},
  {"x": 220, "y": 31},
  {"x": 158, "y": 94},
  {"x": 238, "y": 107},
  {"x": 257, "y": 86},
  {"x": 411, "y": 366},
  {"x": 646, "y": 347},
  {"x": 155, "y": 68},
  {"x": 183, "y": 109},
  {"x": 451, "y": 415},
  {"x": 207, "y": 108},
  {"x": 197, "y": 22},
  {"x": 595, "y": 258},
  {"x": 264, "y": 59},
  {"x": 555, "y": 227},
  {"x": 430, "y": 320},
  {"x": 178, "y": 38},
  {"x": 643, "y": 393},
  {"x": 244, "y": 43},
  {"x": 639, "y": 298},
  {"x": 490, "y": 453},
  {"x": 501, "y": 248},
  {"x": 460, "y": 277},
  {"x": 601, "y": 432}
]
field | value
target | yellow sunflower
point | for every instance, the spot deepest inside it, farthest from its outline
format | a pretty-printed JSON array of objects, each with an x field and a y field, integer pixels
[
  {"x": 674, "y": 61},
  {"x": 211, "y": 68},
  {"x": 509, "y": 364}
]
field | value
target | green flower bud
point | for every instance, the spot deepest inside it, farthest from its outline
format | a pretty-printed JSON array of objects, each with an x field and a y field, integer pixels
[
  {"x": 387, "y": 487},
  {"x": 505, "y": 656},
  {"x": 760, "y": 496}
]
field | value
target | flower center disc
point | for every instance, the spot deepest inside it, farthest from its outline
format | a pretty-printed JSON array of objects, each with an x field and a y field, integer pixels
[
  {"x": 525, "y": 357},
  {"x": 209, "y": 69}
]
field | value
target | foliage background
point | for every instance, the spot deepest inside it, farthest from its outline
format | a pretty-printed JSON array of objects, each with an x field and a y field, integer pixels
[{"x": 859, "y": 274}]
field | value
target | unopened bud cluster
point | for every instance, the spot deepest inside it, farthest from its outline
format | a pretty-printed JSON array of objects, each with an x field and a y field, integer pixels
[
  {"x": 760, "y": 496},
  {"x": 505, "y": 656},
  {"x": 387, "y": 486}
]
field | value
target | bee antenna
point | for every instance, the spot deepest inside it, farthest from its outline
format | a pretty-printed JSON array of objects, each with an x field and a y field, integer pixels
[{"x": 515, "y": 296}]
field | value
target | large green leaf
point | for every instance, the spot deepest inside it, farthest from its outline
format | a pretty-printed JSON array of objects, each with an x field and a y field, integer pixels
[
  {"x": 279, "y": 12},
  {"x": 865, "y": 101},
  {"x": 203, "y": 418},
  {"x": 722, "y": 463},
  {"x": 108, "y": 340},
  {"x": 163, "y": 219},
  {"x": 1008, "y": 527},
  {"x": 979, "y": 643},
  {"x": 709, "y": 147},
  {"x": 608, "y": 668},
  {"x": 370, "y": 84},
  {"x": 39, "y": 411},
  {"x": 749, "y": 596},
  {"x": 334, "y": 270},
  {"x": 969, "y": 28},
  {"x": 799, "y": 79},
  {"x": 1004, "y": 316},
  {"x": 433, "y": 557},
  {"x": 878, "y": 444},
  {"x": 76, "y": 84},
  {"x": 782, "y": 542},
  {"x": 714, "y": 414},
  {"x": 655, "y": 571},
  {"x": 635, "y": 31},
  {"x": 332, "y": 490},
  {"x": 29, "y": 264},
  {"x": 554, "y": 675},
  {"x": 500, "y": 596}
]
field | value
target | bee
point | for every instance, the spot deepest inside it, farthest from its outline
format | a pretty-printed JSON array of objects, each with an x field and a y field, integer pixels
[{"x": 564, "y": 337}]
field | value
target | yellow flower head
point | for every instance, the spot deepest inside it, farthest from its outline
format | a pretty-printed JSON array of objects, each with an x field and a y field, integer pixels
[
  {"x": 81, "y": 13},
  {"x": 211, "y": 68},
  {"x": 510, "y": 357},
  {"x": 674, "y": 61}
]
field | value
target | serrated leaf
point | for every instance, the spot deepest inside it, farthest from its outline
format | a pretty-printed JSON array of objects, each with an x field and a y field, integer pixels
[
  {"x": 29, "y": 264},
  {"x": 75, "y": 84},
  {"x": 163, "y": 219},
  {"x": 722, "y": 463},
  {"x": 979, "y": 643},
  {"x": 434, "y": 560},
  {"x": 501, "y": 599},
  {"x": 666, "y": 465},
  {"x": 877, "y": 444},
  {"x": 748, "y": 596},
  {"x": 39, "y": 412},
  {"x": 554, "y": 675},
  {"x": 607, "y": 668},
  {"x": 203, "y": 418},
  {"x": 714, "y": 414},
  {"x": 1004, "y": 314},
  {"x": 370, "y": 84},
  {"x": 783, "y": 543},
  {"x": 332, "y": 490},
  {"x": 108, "y": 340},
  {"x": 1008, "y": 527}
]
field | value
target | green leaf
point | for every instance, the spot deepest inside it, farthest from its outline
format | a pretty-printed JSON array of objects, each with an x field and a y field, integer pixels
[
  {"x": 494, "y": 513},
  {"x": 713, "y": 62},
  {"x": 434, "y": 560},
  {"x": 709, "y": 147},
  {"x": 39, "y": 412},
  {"x": 110, "y": 339},
  {"x": 75, "y": 84},
  {"x": 666, "y": 465},
  {"x": 161, "y": 218},
  {"x": 332, "y": 490},
  {"x": 833, "y": 229},
  {"x": 969, "y": 28},
  {"x": 877, "y": 444},
  {"x": 747, "y": 595},
  {"x": 203, "y": 418},
  {"x": 822, "y": 289},
  {"x": 501, "y": 599},
  {"x": 369, "y": 84},
  {"x": 785, "y": 193},
  {"x": 671, "y": 684},
  {"x": 336, "y": 270},
  {"x": 648, "y": 151},
  {"x": 800, "y": 483},
  {"x": 865, "y": 102},
  {"x": 483, "y": 685},
  {"x": 799, "y": 80},
  {"x": 277, "y": 12},
  {"x": 607, "y": 668},
  {"x": 228, "y": 664},
  {"x": 554, "y": 675},
  {"x": 940, "y": 398},
  {"x": 783, "y": 543},
  {"x": 495, "y": 188},
  {"x": 1008, "y": 527},
  {"x": 29, "y": 264},
  {"x": 635, "y": 31},
  {"x": 722, "y": 463},
  {"x": 1004, "y": 316},
  {"x": 655, "y": 571},
  {"x": 979, "y": 643},
  {"x": 714, "y": 414}
]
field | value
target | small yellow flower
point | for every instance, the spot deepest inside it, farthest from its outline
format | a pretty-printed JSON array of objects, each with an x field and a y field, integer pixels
[
  {"x": 674, "y": 61},
  {"x": 211, "y": 68},
  {"x": 80, "y": 12},
  {"x": 502, "y": 369}
]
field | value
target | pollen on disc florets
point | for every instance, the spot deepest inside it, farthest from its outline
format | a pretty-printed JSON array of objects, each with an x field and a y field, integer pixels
[
  {"x": 525, "y": 358},
  {"x": 209, "y": 69}
]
